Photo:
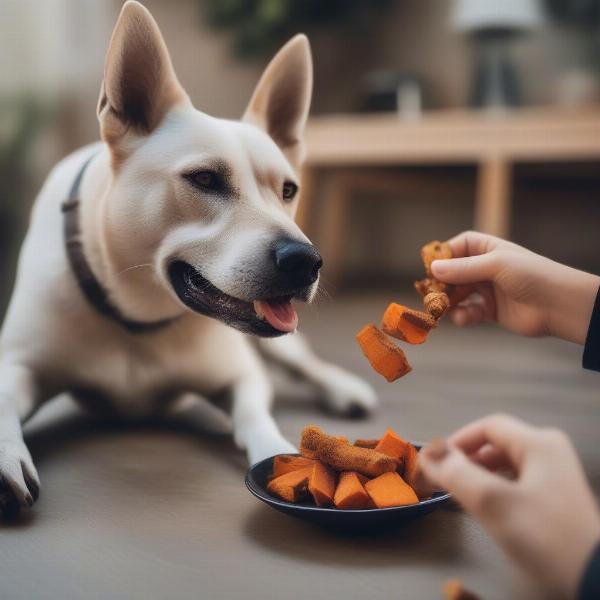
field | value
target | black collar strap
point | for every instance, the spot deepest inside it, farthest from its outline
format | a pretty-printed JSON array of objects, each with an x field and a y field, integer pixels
[{"x": 91, "y": 288}]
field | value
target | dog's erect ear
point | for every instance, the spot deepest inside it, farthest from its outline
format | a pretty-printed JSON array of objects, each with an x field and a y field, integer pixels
[
  {"x": 281, "y": 100},
  {"x": 139, "y": 85}
]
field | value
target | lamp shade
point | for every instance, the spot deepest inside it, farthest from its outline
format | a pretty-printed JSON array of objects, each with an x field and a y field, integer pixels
[{"x": 477, "y": 15}]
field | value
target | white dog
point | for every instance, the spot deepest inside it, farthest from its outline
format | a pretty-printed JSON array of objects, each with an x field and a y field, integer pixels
[{"x": 151, "y": 255}]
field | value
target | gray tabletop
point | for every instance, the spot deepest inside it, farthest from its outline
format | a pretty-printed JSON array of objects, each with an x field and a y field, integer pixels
[{"x": 162, "y": 511}]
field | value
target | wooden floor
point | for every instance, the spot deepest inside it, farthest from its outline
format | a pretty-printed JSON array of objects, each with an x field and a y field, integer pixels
[{"x": 157, "y": 512}]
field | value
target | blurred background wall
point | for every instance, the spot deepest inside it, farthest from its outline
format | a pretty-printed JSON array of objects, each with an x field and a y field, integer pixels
[{"x": 51, "y": 60}]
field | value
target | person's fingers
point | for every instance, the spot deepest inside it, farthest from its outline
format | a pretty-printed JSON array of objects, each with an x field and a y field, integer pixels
[
  {"x": 479, "y": 306},
  {"x": 472, "y": 486},
  {"x": 511, "y": 436},
  {"x": 470, "y": 269},
  {"x": 488, "y": 299},
  {"x": 472, "y": 243},
  {"x": 491, "y": 458},
  {"x": 468, "y": 314},
  {"x": 459, "y": 316}
]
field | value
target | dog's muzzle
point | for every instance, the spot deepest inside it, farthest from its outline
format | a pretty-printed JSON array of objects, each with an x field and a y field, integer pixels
[
  {"x": 294, "y": 270},
  {"x": 297, "y": 263}
]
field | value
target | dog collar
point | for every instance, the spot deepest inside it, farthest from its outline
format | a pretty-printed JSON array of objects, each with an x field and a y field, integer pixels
[{"x": 91, "y": 288}]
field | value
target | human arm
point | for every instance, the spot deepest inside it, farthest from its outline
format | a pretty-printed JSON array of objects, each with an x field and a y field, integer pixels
[
  {"x": 523, "y": 291},
  {"x": 545, "y": 516}
]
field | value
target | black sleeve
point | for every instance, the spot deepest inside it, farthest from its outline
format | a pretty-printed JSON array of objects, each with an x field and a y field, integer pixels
[
  {"x": 589, "y": 587},
  {"x": 591, "y": 352}
]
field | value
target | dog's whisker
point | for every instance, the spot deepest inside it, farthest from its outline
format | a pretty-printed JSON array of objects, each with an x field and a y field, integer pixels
[
  {"x": 321, "y": 295},
  {"x": 134, "y": 267}
]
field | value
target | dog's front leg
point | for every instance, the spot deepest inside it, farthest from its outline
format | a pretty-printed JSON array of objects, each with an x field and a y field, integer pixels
[
  {"x": 19, "y": 482},
  {"x": 342, "y": 392},
  {"x": 254, "y": 428}
]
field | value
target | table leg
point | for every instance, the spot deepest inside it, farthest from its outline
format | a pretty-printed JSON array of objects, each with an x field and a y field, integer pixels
[
  {"x": 493, "y": 201},
  {"x": 334, "y": 226}
]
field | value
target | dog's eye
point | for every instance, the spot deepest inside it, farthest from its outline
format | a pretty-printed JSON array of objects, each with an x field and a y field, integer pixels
[
  {"x": 289, "y": 190},
  {"x": 205, "y": 180}
]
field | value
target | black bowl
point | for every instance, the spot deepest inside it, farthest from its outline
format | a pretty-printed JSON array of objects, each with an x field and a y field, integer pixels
[{"x": 257, "y": 479}]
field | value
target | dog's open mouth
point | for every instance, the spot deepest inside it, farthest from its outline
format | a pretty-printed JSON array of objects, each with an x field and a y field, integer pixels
[{"x": 268, "y": 317}]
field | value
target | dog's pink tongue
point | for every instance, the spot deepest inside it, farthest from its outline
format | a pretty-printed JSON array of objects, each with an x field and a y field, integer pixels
[{"x": 280, "y": 314}]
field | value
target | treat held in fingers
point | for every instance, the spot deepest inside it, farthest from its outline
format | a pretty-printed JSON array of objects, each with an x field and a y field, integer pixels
[{"x": 407, "y": 324}]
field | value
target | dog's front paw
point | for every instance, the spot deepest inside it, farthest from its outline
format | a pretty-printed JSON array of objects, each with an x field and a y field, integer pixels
[
  {"x": 347, "y": 394},
  {"x": 19, "y": 481},
  {"x": 262, "y": 439},
  {"x": 265, "y": 448}
]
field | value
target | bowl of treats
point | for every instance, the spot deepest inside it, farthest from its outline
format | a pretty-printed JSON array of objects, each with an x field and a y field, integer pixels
[{"x": 334, "y": 482}]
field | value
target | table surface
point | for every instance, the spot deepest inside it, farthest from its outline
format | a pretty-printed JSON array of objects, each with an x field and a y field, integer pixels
[
  {"x": 157, "y": 512},
  {"x": 454, "y": 137}
]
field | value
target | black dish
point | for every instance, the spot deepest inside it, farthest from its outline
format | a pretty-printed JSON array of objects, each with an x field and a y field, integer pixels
[{"x": 256, "y": 482}]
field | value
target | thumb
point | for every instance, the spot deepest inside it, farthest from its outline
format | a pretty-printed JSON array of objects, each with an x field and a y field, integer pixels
[
  {"x": 470, "y": 269},
  {"x": 471, "y": 485}
]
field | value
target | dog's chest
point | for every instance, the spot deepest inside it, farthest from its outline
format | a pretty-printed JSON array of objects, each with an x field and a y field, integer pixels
[
  {"x": 124, "y": 382},
  {"x": 141, "y": 376}
]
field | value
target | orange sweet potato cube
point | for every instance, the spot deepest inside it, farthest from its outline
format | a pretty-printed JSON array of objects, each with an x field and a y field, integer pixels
[
  {"x": 406, "y": 324},
  {"x": 410, "y": 460},
  {"x": 321, "y": 484},
  {"x": 413, "y": 474},
  {"x": 392, "y": 445},
  {"x": 385, "y": 357},
  {"x": 389, "y": 490},
  {"x": 350, "y": 493},
  {"x": 362, "y": 478},
  {"x": 292, "y": 486},
  {"x": 285, "y": 464}
]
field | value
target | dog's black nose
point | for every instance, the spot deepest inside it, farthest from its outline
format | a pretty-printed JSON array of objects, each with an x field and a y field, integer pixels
[{"x": 298, "y": 262}]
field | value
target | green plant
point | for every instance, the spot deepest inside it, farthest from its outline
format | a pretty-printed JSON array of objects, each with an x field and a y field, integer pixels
[
  {"x": 21, "y": 119},
  {"x": 260, "y": 26}
]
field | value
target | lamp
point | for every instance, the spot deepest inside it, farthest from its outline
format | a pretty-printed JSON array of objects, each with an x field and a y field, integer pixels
[{"x": 492, "y": 25}]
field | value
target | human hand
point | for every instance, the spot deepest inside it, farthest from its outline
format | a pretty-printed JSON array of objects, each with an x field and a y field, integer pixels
[
  {"x": 544, "y": 517},
  {"x": 523, "y": 291}
]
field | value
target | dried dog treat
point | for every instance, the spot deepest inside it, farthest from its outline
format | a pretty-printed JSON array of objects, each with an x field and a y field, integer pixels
[
  {"x": 350, "y": 493},
  {"x": 389, "y": 490},
  {"x": 342, "y": 456},
  {"x": 385, "y": 357},
  {"x": 427, "y": 286},
  {"x": 406, "y": 324},
  {"x": 292, "y": 486},
  {"x": 285, "y": 464},
  {"x": 455, "y": 293},
  {"x": 410, "y": 325},
  {"x": 310, "y": 440},
  {"x": 454, "y": 590},
  {"x": 322, "y": 484},
  {"x": 436, "y": 304},
  {"x": 433, "y": 251},
  {"x": 366, "y": 443}
]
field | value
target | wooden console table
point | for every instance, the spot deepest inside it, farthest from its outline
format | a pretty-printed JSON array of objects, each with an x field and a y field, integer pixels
[{"x": 493, "y": 142}]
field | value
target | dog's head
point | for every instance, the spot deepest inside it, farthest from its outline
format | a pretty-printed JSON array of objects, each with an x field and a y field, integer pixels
[{"x": 207, "y": 204}]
